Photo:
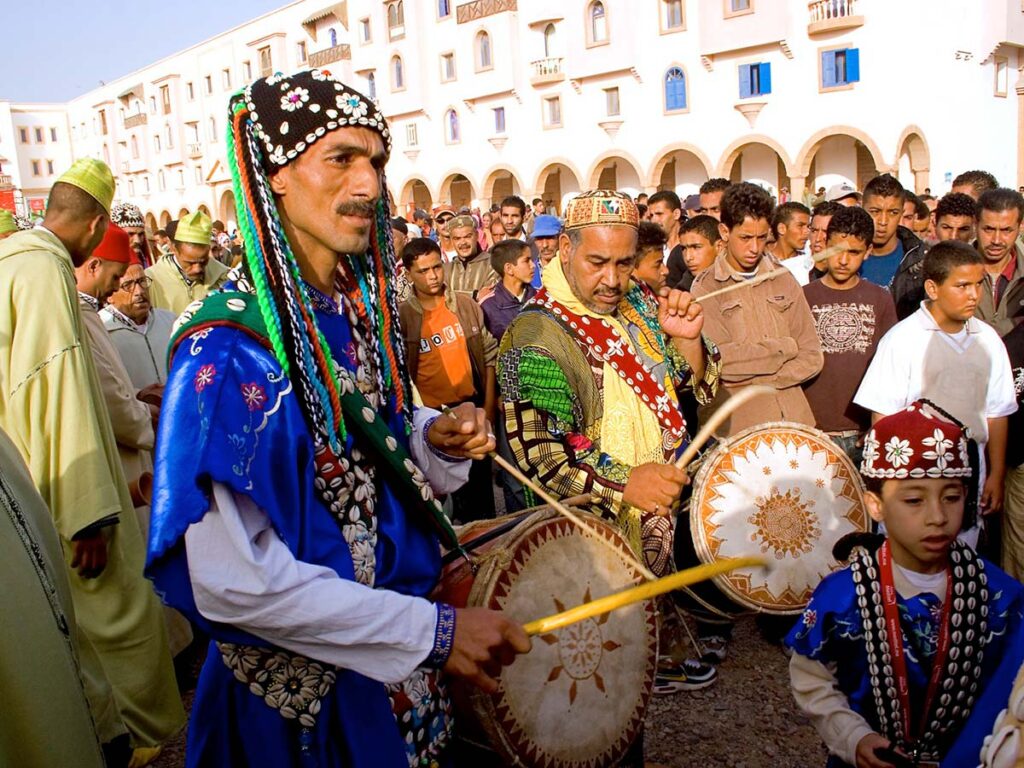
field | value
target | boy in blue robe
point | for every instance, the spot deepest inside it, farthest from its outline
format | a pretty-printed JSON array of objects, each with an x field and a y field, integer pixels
[{"x": 897, "y": 658}]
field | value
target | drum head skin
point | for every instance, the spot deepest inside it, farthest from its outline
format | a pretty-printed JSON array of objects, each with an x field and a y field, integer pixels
[
  {"x": 579, "y": 697},
  {"x": 784, "y": 491}
]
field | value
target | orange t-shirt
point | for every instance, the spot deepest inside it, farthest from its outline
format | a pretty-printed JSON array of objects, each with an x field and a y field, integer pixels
[{"x": 444, "y": 374}]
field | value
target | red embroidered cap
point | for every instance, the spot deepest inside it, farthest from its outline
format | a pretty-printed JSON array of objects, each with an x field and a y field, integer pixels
[
  {"x": 918, "y": 442},
  {"x": 115, "y": 246}
]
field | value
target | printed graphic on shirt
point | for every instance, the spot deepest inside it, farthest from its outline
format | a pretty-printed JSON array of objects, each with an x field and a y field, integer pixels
[
  {"x": 844, "y": 326},
  {"x": 446, "y": 335},
  {"x": 1018, "y": 381}
]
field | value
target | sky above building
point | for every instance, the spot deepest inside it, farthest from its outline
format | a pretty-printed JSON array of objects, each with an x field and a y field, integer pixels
[{"x": 55, "y": 50}]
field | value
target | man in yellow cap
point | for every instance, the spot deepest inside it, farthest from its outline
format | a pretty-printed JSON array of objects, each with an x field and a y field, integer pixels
[
  {"x": 8, "y": 226},
  {"x": 188, "y": 273},
  {"x": 52, "y": 408}
]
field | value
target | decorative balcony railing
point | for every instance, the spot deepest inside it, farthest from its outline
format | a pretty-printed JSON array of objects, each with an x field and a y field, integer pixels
[
  {"x": 547, "y": 70},
  {"x": 135, "y": 120},
  {"x": 5, "y": 180},
  {"x": 830, "y": 15},
  {"x": 194, "y": 149},
  {"x": 479, "y": 9},
  {"x": 330, "y": 55}
]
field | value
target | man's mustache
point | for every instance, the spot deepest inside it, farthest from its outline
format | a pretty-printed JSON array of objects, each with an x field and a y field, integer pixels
[{"x": 357, "y": 208}]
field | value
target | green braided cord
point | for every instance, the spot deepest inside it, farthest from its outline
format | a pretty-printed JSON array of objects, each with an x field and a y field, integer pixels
[
  {"x": 382, "y": 300},
  {"x": 251, "y": 244}
]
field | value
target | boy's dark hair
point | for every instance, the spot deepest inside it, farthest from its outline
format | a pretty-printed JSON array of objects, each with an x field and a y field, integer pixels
[
  {"x": 537, "y": 200},
  {"x": 704, "y": 225},
  {"x": 160, "y": 233},
  {"x": 506, "y": 252},
  {"x": 514, "y": 201},
  {"x": 827, "y": 208},
  {"x": 399, "y": 223},
  {"x": 650, "y": 236},
  {"x": 853, "y": 221},
  {"x": 920, "y": 209},
  {"x": 942, "y": 258},
  {"x": 666, "y": 196},
  {"x": 416, "y": 247},
  {"x": 885, "y": 185},
  {"x": 745, "y": 200},
  {"x": 982, "y": 181},
  {"x": 1002, "y": 199},
  {"x": 956, "y": 204},
  {"x": 217, "y": 226},
  {"x": 784, "y": 214},
  {"x": 714, "y": 185},
  {"x": 641, "y": 209}
]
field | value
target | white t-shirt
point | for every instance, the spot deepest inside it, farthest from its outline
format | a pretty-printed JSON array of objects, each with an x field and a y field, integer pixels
[
  {"x": 967, "y": 374},
  {"x": 800, "y": 264}
]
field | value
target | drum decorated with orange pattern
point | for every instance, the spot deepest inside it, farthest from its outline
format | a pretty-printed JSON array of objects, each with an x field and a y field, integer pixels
[
  {"x": 579, "y": 697},
  {"x": 784, "y": 491}
]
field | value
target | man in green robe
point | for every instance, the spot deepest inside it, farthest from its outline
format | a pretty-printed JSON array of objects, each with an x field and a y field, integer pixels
[
  {"x": 188, "y": 273},
  {"x": 52, "y": 408}
]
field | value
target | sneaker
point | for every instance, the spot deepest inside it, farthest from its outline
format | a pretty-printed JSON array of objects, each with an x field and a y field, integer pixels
[
  {"x": 691, "y": 675},
  {"x": 715, "y": 647}
]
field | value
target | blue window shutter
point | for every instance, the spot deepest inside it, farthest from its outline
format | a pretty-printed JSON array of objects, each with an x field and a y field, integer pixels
[
  {"x": 766, "y": 78},
  {"x": 853, "y": 65},
  {"x": 675, "y": 89},
  {"x": 828, "y": 69},
  {"x": 745, "y": 81},
  {"x": 681, "y": 91}
]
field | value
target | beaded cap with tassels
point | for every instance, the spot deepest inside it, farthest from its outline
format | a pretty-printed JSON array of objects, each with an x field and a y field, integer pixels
[{"x": 272, "y": 121}]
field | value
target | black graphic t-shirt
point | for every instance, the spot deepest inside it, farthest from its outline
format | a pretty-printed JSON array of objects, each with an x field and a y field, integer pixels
[
  {"x": 1014, "y": 341},
  {"x": 850, "y": 324}
]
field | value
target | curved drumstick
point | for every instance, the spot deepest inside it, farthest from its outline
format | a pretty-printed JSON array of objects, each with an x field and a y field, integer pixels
[
  {"x": 720, "y": 415},
  {"x": 632, "y": 595},
  {"x": 560, "y": 507},
  {"x": 823, "y": 256}
]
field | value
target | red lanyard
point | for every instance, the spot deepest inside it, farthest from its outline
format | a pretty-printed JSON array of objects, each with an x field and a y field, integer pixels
[{"x": 894, "y": 633}]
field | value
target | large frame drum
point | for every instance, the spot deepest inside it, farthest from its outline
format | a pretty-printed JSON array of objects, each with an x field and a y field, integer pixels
[
  {"x": 579, "y": 697},
  {"x": 781, "y": 490}
]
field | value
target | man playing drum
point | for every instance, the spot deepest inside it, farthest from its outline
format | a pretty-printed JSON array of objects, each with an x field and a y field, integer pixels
[
  {"x": 289, "y": 520},
  {"x": 590, "y": 372}
]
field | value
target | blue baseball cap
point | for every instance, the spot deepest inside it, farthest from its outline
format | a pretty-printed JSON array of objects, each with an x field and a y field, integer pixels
[{"x": 547, "y": 226}]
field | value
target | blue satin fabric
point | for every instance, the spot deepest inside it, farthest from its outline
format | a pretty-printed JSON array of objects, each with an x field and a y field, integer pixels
[
  {"x": 830, "y": 631},
  {"x": 230, "y": 416}
]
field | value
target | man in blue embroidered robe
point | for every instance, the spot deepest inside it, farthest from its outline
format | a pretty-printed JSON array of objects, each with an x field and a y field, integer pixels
[{"x": 290, "y": 517}]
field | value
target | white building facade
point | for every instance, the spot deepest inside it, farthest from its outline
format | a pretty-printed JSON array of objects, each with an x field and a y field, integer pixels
[{"x": 543, "y": 99}]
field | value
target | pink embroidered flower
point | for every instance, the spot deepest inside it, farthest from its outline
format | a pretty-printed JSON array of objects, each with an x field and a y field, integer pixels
[
  {"x": 204, "y": 376},
  {"x": 810, "y": 618},
  {"x": 254, "y": 395}
]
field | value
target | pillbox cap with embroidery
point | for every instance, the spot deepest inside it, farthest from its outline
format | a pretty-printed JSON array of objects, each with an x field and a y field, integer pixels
[
  {"x": 601, "y": 207},
  {"x": 127, "y": 215},
  {"x": 918, "y": 442},
  {"x": 115, "y": 246},
  {"x": 93, "y": 177},
  {"x": 194, "y": 228}
]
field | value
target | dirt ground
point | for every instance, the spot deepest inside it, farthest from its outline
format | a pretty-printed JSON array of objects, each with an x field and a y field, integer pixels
[{"x": 746, "y": 720}]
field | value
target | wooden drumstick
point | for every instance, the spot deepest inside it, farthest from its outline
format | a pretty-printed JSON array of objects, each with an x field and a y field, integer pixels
[
  {"x": 823, "y": 256},
  {"x": 559, "y": 507},
  {"x": 720, "y": 415},
  {"x": 646, "y": 591}
]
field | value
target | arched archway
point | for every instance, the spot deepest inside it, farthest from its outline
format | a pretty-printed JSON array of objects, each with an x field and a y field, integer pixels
[
  {"x": 415, "y": 194},
  {"x": 227, "y": 211},
  {"x": 457, "y": 190},
  {"x": 499, "y": 183},
  {"x": 913, "y": 159},
  {"x": 616, "y": 170},
  {"x": 182, "y": 213},
  {"x": 758, "y": 159},
  {"x": 839, "y": 154},
  {"x": 151, "y": 225},
  {"x": 165, "y": 219},
  {"x": 557, "y": 183},
  {"x": 203, "y": 209},
  {"x": 681, "y": 168}
]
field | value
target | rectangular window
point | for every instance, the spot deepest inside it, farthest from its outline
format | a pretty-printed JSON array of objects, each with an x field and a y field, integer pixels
[
  {"x": 152, "y": 105},
  {"x": 165, "y": 98},
  {"x": 103, "y": 122},
  {"x": 23, "y": 135},
  {"x": 447, "y": 67},
  {"x": 840, "y": 67},
  {"x": 35, "y": 168},
  {"x": 213, "y": 128},
  {"x": 199, "y": 174},
  {"x": 755, "y": 80},
  {"x": 247, "y": 71},
  {"x": 156, "y": 143},
  {"x": 499, "y": 120},
  {"x": 181, "y": 178},
  {"x": 1002, "y": 69},
  {"x": 208, "y": 84},
  {"x": 411, "y": 135},
  {"x": 49, "y": 167},
  {"x": 131, "y": 187},
  {"x": 39, "y": 134},
  {"x": 738, "y": 6},
  {"x": 553, "y": 112},
  {"x": 225, "y": 79},
  {"x": 145, "y": 184},
  {"x": 364, "y": 31},
  {"x": 444, "y": 9},
  {"x": 170, "y": 137},
  {"x": 300, "y": 52},
  {"x": 671, "y": 15},
  {"x": 53, "y": 134},
  {"x": 266, "y": 62},
  {"x": 190, "y": 92},
  {"x": 611, "y": 101}
]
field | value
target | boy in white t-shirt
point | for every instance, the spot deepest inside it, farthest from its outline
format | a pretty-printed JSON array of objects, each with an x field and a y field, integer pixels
[{"x": 945, "y": 354}]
